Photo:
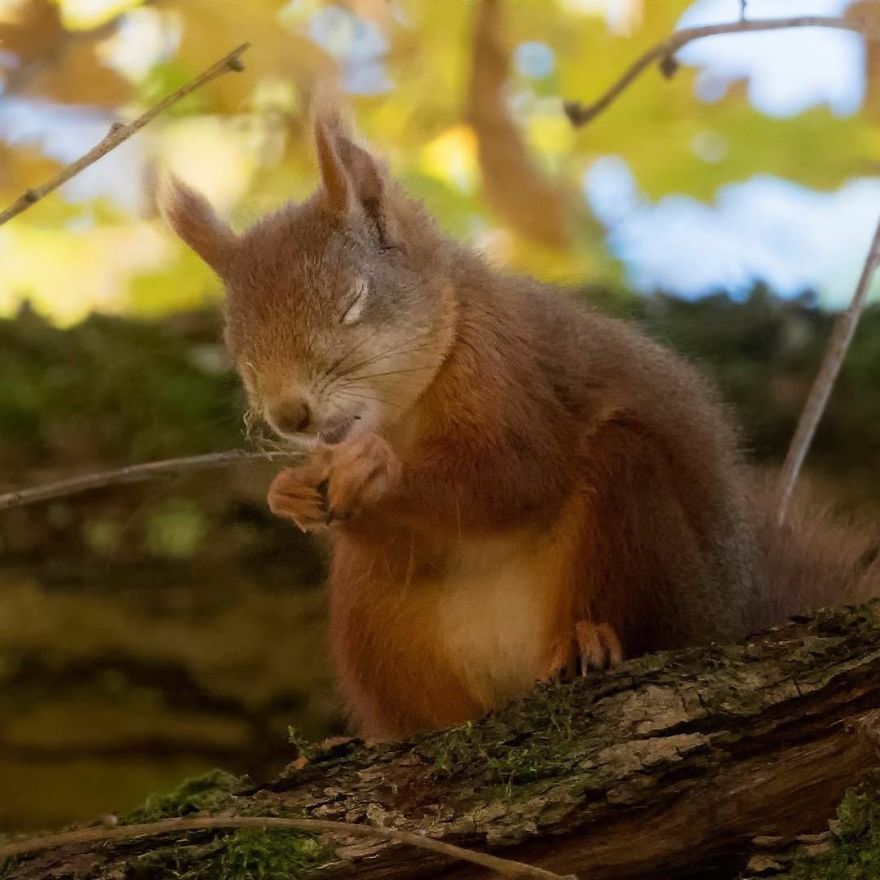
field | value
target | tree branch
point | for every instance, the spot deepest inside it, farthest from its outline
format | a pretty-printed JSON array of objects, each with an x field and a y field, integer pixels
[
  {"x": 120, "y": 132},
  {"x": 504, "y": 867},
  {"x": 512, "y": 182},
  {"x": 838, "y": 345},
  {"x": 664, "y": 53},
  {"x": 135, "y": 473},
  {"x": 668, "y": 766}
]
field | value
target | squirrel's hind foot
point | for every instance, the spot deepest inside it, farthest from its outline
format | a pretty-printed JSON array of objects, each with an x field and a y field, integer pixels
[
  {"x": 593, "y": 646},
  {"x": 598, "y": 644}
]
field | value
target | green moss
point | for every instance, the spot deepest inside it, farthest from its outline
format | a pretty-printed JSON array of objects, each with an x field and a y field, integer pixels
[
  {"x": 210, "y": 791},
  {"x": 455, "y": 747},
  {"x": 498, "y": 753},
  {"x": 179, "y": 862},
  {"x": 253, "y": 854},
  {"x": 247, "y": 854},
  {"x": 305, "y": 748},
  {"x": 855, "y": 853}
]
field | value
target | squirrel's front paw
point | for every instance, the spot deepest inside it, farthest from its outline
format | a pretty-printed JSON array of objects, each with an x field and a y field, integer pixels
[
  {"x": 297, "y": 494},
  {"x": 362, "y": 471}
]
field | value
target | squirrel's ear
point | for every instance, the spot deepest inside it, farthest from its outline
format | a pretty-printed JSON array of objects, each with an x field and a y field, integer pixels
[
  {"x": 353, "y": 178},
  {"x": 364, "y": 171},
  {"x": 191, "y": 216}
]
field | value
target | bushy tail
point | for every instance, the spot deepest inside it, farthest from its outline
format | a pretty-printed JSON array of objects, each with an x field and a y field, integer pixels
[{"x": 814, "y": 560}]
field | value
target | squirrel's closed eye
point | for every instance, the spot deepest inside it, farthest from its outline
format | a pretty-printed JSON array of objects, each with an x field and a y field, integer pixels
[{"x": 357, "y": 302}]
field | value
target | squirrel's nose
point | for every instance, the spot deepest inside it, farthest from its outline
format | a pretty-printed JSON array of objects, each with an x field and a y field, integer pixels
[{"x": 290, "y": 416}]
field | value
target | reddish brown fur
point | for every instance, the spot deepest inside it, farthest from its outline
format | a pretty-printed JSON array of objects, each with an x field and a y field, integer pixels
[{"x": 536, "y": 481}]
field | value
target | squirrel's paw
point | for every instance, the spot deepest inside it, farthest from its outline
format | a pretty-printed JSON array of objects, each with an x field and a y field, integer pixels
[
  {"x": 598, "y": 644},
  {"x": 362, "y": 470},
  {"x": 297, "y": 494}
]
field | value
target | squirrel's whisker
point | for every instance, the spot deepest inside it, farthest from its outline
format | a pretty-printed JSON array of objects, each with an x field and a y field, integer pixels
[
  {"x": 365, "y": 376},
  {"x": 339, "y": 361},
  {"x": 352, "y": 395},
  {"x": 395, "y": 349}
]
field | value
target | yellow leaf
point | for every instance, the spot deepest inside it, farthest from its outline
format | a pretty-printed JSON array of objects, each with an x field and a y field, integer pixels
[{"x": 79, "y": 15}]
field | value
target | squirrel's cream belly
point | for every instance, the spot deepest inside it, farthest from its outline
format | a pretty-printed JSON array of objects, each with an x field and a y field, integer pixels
[
  {"x": 430, "y": 637},
  {"x": 493, "y": 616}
]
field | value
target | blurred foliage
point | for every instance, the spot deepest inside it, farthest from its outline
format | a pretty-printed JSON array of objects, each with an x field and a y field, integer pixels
[
  {"x": 764, "y": 354},
  {"x": 71, "y": 67},
  {"x": 106, "y": 385}
]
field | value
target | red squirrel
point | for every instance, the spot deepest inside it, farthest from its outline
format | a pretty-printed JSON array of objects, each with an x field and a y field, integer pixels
[{"x": 516, "y": 485}]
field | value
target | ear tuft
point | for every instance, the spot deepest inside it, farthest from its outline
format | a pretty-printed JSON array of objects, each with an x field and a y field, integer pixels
[
  {"x": 191, "y": 216},
  {"x": 353, "y": 178},
  {"x": 337, "y": 187}
]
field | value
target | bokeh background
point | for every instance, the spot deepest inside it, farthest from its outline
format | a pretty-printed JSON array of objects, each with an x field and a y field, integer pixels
[{"x": 150, "y": 632}]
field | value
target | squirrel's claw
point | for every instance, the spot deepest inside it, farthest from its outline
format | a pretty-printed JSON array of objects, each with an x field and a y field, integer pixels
[
  {"x": 598, "y": 644},
  {"x": 594, "y": 646},
  {"x": 361, "y": 472}
]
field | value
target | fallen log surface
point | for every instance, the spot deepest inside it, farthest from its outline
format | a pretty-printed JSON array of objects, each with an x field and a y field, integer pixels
[{"x": 667, "y": 768}]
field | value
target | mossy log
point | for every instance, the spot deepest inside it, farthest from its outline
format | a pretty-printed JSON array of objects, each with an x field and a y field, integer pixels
[{"x": 668, "y": 767}]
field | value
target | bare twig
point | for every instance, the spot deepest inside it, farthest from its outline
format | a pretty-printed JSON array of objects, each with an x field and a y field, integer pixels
[
  {"x": 664, "y": 54},
  {"x": 841, "y": 337},
  {"x": 580, "y": 114},
  {"x": 504, "y": 867},
  {"x": 135, "y": 473},
  {"x": 120, "y": 132}
]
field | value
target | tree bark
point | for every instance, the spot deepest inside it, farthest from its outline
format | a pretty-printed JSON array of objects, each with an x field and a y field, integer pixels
[{"x": 666, "y": 768}]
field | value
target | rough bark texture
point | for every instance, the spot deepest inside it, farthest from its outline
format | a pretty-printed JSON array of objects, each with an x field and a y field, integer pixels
[{"x": 665, "y": 768}]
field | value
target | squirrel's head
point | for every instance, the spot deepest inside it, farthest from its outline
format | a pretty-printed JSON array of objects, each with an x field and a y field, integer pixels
[{"x": 338, "y": 314}]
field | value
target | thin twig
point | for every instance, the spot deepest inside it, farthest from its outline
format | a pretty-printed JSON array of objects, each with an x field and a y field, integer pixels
[
  {"x": 841, "y": 337},
  {"x": 504, "y": 867},
  {"x": 135, "y": 473},
  {"x": 120, "y": 132},
  {"x": 580, "y": 114}
]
